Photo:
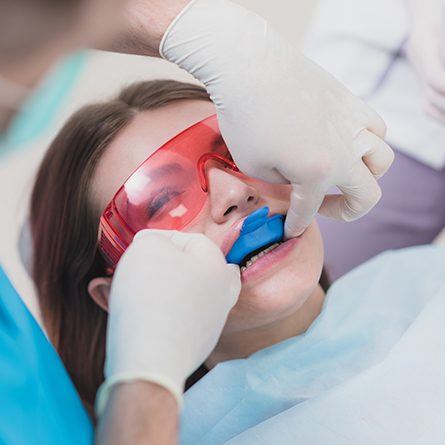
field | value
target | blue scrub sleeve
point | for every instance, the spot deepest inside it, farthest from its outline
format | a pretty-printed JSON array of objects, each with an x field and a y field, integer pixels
[{"x": 38, "y": 401}]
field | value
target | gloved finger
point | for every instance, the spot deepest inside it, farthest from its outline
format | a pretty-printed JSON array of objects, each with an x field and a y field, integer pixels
[
  {"x": 359, "y": 196},
  {"x": 375, "y": 152},
  {"x": 305, "y": 201},
  {"x": 199, "y": 246},
  {"x": 434, "y": 112},
  {"x": 435, "y": 97},
  {"x": 183, "y": 241},
  {"x": 434, "y": 77},
  {"x": 234, "y": 269},
  {"x": 158, "y": 236},
  {"x": 375, "y": 123},
  {"x": 267, "y": 174},
  {"x": 203, "y": 248},
  {"x": 234, "y": 283}
]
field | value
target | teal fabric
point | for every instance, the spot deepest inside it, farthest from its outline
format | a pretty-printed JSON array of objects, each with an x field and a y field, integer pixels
[
  {"x": 367, "y": 314},
  {"x": 41, "y": 107},
  {"x": 38, "y": 402}
]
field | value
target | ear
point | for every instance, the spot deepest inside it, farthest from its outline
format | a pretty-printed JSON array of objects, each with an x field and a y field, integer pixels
[{"x": 99, "y": 290}]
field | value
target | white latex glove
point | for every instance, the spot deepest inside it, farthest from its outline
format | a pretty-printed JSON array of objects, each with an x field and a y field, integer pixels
[
  {"x": 170, "y": 297},
  {"x": 282, "y": 116},
  {"x": 426, "y": 51}
]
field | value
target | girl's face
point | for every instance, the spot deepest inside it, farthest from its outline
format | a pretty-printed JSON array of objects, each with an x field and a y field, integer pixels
[{"x": 273, "y": 287}]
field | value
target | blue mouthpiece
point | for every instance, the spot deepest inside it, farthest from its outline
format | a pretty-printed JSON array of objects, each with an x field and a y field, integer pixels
[{"x": 258, "y": 230}]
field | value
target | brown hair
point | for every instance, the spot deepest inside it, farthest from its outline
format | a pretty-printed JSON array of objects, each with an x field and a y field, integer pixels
[{"x": 65, "y": 261}]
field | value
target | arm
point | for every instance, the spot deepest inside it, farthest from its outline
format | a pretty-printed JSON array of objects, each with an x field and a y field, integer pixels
[
  {"x": 145, "y": 24},
  {"x": 139, "y": 413}
]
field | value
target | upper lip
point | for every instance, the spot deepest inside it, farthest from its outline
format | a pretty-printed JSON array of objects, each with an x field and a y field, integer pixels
[{"x": 232, "y": 235}]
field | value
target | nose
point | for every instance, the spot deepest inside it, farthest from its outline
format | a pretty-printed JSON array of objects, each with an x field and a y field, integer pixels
[{"x": 230, "y": 196}]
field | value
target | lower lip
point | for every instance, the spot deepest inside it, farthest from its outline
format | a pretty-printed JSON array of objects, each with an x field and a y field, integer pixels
[{"x": 270, "y": 260}]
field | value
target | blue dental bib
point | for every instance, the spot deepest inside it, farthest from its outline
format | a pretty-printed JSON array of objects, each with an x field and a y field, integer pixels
[{"x": 258, "y": 230}]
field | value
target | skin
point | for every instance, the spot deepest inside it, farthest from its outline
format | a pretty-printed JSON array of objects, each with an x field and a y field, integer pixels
[
  {"x": 277, "y": 303},
  {"x": 139, "y": 413}
]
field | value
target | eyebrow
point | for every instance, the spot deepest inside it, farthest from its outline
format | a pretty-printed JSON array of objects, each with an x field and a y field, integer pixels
[
  {"x": 167, "y": 169},
  {"x": 172, "y": 168},
  {"x": 216, "y": 142}
]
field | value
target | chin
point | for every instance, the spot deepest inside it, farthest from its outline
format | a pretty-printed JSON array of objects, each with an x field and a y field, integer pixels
[{"x": 269, "y": 294}]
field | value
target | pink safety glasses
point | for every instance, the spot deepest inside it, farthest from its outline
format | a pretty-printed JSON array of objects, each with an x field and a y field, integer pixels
[{"x": 167, "y": 191}]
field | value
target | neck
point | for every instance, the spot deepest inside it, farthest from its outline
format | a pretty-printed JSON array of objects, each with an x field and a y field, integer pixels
[{"x": 244, "y": 343}]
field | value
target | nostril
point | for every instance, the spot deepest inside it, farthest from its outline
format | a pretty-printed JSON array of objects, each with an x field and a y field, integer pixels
[
  {"x": 250, "y": 199},
  {"x": 229, "y": 210}
]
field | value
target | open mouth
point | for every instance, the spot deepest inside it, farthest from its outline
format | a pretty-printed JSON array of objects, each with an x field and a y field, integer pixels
[{"x": 255, "y": 255}]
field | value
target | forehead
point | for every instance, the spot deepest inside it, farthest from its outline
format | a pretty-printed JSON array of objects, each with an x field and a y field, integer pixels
[{"x": 146, "y": 132}]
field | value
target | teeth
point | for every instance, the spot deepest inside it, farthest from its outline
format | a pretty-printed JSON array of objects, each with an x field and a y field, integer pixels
[{"x": 258, "y": 256}]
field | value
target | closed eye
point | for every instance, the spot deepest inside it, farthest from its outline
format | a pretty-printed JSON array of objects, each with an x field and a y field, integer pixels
[{"x": 161, "y": 200}]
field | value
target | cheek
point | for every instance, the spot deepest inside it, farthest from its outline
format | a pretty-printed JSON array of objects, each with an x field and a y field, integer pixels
[
  {"x": 284, "y": 292},
  {"x": 205, "y": 224}
]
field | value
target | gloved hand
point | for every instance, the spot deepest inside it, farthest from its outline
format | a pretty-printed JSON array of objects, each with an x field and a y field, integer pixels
[
  {"x": 170, "y": 297},
  {"x": 282, "y": 116},
  {"x": 426, "y": 51}
]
